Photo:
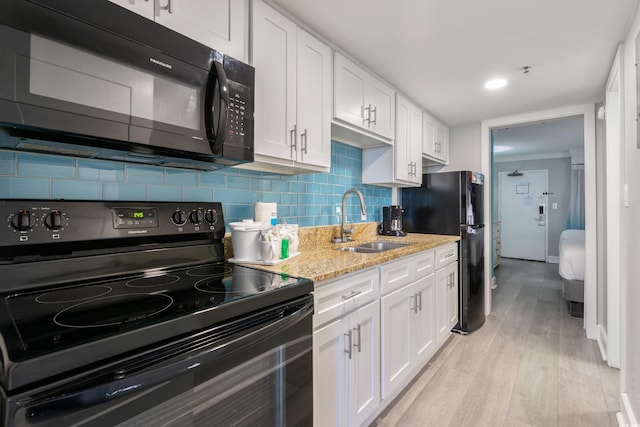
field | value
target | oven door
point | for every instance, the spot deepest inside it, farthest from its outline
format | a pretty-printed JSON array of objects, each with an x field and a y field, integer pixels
[
  {"x": 110, "y": 84},
  {"x": 250, "y": 372}
]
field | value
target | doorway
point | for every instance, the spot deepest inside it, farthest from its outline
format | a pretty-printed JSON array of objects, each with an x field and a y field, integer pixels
[
  {"x": 587, "y": 112},
  {"x": 522, "y": 213}
]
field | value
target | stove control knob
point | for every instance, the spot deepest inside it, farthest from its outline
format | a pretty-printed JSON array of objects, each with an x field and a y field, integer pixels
[
  {"x": 179, "y": 217},
  {"x": 211, "y": 216},
  {"x": 53, "y": 221},
  {"x": 22, "y": 221},
  {"x": 195, "y": 216}
]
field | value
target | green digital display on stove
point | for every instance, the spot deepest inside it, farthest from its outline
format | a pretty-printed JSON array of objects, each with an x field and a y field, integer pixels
[{"x": 135, "y": 217}]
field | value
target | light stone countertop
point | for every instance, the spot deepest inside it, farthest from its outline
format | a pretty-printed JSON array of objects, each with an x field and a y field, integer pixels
[{"x": 320, "y": 261}]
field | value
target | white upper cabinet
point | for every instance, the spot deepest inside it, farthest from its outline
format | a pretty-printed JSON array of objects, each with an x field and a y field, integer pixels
[
  {"x": 435, "y": 148},
  {"x": 362, "y": 104},
  {"x": 219, "y": 24},
  {"x": 401, "y": 164},
  {"x": 293, "y": 95},
  {"x": 408, "y": 144}
]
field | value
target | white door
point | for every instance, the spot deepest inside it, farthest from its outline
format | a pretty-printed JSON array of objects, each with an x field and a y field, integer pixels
[{"x": 523, "y": 214}]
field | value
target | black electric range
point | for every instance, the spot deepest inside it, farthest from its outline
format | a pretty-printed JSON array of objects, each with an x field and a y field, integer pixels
[{"x": 83, "y": 282}]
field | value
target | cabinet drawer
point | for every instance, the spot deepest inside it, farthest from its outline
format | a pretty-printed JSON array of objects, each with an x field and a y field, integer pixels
[
  {"x": 425, "y": 264},
  {"x": 397, "y": 274},
  {"x": 446, "y": 254},
  {"x": 337, "y": 297}
]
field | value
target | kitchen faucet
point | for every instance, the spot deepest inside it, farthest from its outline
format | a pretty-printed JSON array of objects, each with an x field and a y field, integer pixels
[{"x": 348, "y": 232}]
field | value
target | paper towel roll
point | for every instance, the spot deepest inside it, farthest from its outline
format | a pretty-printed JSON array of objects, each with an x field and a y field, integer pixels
[{"x": 266, "y": 213}]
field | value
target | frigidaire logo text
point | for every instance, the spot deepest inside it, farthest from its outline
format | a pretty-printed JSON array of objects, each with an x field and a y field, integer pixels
[{"x": 164, "y": 64}]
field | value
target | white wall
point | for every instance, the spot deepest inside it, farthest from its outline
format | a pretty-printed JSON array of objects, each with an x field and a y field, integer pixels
[{"x": 630, "y": 292}]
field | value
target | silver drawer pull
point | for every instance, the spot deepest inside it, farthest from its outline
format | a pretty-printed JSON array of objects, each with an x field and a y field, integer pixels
[{"x": 351, "y": 295}]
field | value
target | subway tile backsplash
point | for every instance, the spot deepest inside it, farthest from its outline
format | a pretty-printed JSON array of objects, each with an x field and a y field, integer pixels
[{"x": 307, "y": 200}]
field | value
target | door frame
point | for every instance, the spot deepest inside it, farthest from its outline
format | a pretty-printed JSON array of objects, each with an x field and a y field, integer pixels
[
  {"x": 609, "y": 339},
  {"x": 546, "y": 210},
  {"x": 587, "y": 111}
]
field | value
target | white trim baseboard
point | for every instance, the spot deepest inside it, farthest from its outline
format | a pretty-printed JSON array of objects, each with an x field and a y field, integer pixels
[
  {"x": 601, "y": 338},
  {"x": 626, "y": 418},
  {"x": 552, "y": 259}
]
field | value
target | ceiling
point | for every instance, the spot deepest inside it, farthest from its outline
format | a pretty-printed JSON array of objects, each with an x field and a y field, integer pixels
[
  {"x": 441, "y": 52},
  {"x": 549, "y": 137}
]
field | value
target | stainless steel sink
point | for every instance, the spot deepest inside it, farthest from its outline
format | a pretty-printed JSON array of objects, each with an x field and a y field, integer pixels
[{"x": 373, "y": 247}]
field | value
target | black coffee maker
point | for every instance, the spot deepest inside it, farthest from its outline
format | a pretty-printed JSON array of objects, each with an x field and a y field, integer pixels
[{"x": 392, "y": 221}]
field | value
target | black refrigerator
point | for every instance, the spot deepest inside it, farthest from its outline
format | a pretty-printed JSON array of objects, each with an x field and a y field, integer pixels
[{"x": 453, "y": 203}]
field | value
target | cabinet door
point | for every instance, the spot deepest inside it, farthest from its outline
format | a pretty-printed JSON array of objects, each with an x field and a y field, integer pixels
[
  {"x": 364, "y": 381},
  {"x": 382, "y": 100},
  {"x": 428, "y": 136},
  {"x": 330, "y": 374},
  {"x": 350, "y": 92},
  {"x": 453, "y": 298},
  {"x": 220, "y": 24},
  {"x": 442, "y": 142},
  {"x": 415, "y": 145},
  {"x": 443, "y": 284},
  {"x": 141, "y": 7},
  {"x": 274, "y": 58},
  {"x": 313, "y": 101},
  {"x": 396, "y": 312},
  {"x": 403, "y": 165},
  {"x": 423, "y": 329}
]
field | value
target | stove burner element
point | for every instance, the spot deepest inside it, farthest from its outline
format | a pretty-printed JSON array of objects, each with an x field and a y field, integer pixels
[
  {"x": 113, "y": 310},
  {"x": 73, "y": 294},
  {"x": 148, "y": 282},
  {"x": 210, "y": 270}
]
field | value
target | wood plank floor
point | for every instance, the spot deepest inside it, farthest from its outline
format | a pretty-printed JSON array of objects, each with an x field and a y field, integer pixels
[{"x": 530, "y": 364}]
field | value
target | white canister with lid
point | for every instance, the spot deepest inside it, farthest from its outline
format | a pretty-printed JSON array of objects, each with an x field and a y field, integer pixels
[{"x": 245, "y": 237}]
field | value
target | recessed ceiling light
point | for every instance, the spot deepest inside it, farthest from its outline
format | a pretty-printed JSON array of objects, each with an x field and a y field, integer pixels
[{"x": 495, "y": 84}]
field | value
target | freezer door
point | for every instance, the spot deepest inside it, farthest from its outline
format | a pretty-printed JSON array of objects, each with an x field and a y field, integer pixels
[{"x": 471, "y": 305}]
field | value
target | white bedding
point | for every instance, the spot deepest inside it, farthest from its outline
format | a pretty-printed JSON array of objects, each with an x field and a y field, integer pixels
[{"x": 572, "y": 255}]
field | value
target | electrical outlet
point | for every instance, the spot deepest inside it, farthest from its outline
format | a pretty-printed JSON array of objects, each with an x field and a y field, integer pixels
[{"x": 554, "y": 206}]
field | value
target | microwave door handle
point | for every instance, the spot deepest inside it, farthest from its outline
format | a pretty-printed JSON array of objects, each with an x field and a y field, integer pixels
[{"x": 223, "y": 87}]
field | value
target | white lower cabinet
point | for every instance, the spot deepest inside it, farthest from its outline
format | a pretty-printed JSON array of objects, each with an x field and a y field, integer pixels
[
  {"x": 408, "y": 333},
  {"x": 374, "y": 331},
  {"x": 446, "y": 292},
  {"x": 346, "y": 359}
]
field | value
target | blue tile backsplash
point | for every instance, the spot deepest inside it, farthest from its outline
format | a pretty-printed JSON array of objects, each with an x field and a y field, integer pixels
[{"x": 307, "y": 200}]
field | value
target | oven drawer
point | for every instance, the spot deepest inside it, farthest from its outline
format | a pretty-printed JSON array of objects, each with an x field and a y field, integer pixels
[{"x": 256, "y": 370}]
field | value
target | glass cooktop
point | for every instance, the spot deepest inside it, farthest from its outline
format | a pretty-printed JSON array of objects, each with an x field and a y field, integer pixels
[{"x": 46, "y": 321}]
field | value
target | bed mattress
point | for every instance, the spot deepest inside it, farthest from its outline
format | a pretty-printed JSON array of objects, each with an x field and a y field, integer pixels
[{"x": 572, "y": 255}]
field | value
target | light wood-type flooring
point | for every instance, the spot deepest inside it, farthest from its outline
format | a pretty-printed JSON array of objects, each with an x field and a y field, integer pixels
[{"x": 530, "y": 364}]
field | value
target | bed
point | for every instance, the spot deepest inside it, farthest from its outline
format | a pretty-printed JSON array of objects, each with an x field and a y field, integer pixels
[{"x": 571, "y": 269}]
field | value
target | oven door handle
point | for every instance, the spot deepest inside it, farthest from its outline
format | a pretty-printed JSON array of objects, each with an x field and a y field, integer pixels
[
  {"x": 139, "y": 378},
  {"x": 217, "y": 114}
]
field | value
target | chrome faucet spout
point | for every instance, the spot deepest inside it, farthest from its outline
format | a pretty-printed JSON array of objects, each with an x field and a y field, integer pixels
[{"x": 348, "y": 232}]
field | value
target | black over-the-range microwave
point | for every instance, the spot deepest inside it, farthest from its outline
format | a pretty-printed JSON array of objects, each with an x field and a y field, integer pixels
[{"x": 92, "y": 79}]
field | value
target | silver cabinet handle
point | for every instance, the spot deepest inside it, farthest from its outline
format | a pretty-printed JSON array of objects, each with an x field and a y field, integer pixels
[
  {"x": 368, "y": 118},
  {"x": 374, "y": 111},
  {"x": 167, "y": 7},
  {"x": 348, "y": 349},
  {"x": 419, "y": 300},
  {"x": 303, "y": 140},
  {"x": 351, "y": 295},
  {"x": 358, "y": 345},
  {"x": 414, "y": 297},
  {"x": 293, "y": 134}
]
